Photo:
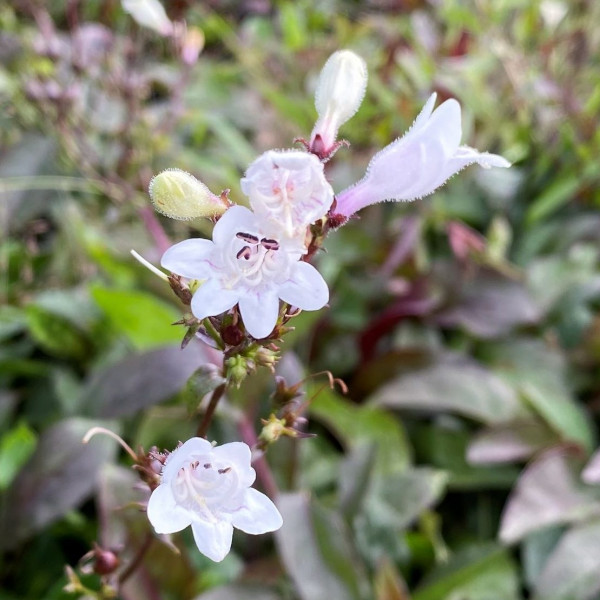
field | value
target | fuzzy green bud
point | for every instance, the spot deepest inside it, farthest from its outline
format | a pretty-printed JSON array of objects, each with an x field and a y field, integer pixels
[
  {"x": 236, "y": 369},
  {"x": 273, "y": 429},
  {"x": 179, "y": 195}
]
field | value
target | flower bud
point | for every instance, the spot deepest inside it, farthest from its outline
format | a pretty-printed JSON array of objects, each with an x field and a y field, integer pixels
[
  {"x": 179, "y": 195},
  {"x": 237, "y": 368},
  {"x": 149, "y": 13},
  {"x": 340, "y": 91}
]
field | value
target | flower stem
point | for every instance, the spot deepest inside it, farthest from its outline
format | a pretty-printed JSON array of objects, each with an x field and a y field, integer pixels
[
  {"x": 260, "y": 462},
  {"x": 137, "y": 559},
  {"x": 214, "y": 334},
  {"x": 208, "y": 415}
]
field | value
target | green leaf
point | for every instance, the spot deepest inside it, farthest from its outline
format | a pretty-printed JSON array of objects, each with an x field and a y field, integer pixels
[
  {"x": 203, "y": 381},
  {"x": 355, "y": 424},
  {"x": 558, "y": 193},
  {"x": 314, "y": 545},
  {"x": 478, "y": 573},
  {"x": 538, "y": 372},
  {"x": 398, "y": 499},
  {"x": 455, "y": 385},
  {"x": 12, "y": 321},
  {"x": 56, "y": 334},
  {"x": 16, "y": 446},
  {"x": 145, "y": 320}
]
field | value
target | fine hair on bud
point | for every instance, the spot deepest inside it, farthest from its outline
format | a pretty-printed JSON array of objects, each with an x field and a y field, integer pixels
[{"x": 179, "y": 195}]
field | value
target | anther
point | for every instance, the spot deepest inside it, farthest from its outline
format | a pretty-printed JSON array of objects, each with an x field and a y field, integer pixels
[
  {"x": 207, "y": 465},
  {"x": 270, "y": 244},
  {"x": 247, "y": 237},
  {"x": 223, "y": 471},
  {"x": 244, "y": 253}
]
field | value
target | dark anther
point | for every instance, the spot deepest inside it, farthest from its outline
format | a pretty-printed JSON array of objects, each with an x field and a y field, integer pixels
[
  {"x": 223, "y": 471},
  {"x": 270, "y": 244},
  {"x": 244, "y": 253},
  {"x": 247, "y": 237},
  {"x": 207, "y": 466}
]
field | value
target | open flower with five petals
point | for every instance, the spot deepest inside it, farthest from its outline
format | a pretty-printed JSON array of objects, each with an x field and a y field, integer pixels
[
  {"x": 250, "y": 264},
  {"x": 289, "y": 189},
  {"x": 209, "y": 488}
]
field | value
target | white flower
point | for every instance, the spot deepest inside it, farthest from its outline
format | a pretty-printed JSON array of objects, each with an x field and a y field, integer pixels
[
  {"x": 209, "y": 488},
  {"x": 418, "y": 163},
  {"x": 340, "y": 91},
  {"x": 247, "y": 264},
  {"x": 289, "y": 189}
]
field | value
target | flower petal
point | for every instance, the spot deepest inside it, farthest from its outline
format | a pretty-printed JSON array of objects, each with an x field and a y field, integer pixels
[
  {"x": 190, "y": 258},
  {"x": 164, "y": 513},
  {"x": 258, "y": 515},
  {"x": 464, "y": 157},
  {"x": 235, "y": 219},
  {"x": 238, "y": 455},
  {"x": 305, "y": 289},
  {"x": 213, "y": 539},
  {"x": 193, "y": 447},
  {"x": 259, "y": 312},
  {"x": 212, "y": 299}
]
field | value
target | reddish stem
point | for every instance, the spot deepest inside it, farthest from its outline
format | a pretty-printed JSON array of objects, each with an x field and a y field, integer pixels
[
  {"x": 155, "y": 229},
  {"x": 260, "y": 464}
]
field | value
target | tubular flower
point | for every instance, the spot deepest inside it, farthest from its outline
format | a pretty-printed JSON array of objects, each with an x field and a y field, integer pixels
[
  {"x": 288, "y": 189},
  {"x": 246, "y": 263},
  {"x": 418, "y": 163},
  {"x": 340, "y": 91},
  {"x": 209, "y": 488}
]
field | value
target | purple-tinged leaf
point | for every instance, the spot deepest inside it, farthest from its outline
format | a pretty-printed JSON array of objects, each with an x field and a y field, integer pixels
[
  {"x": 61, "y": 473},
  {"x": 547, "y": 493},
  {"x": 510, "y": 443},
  {"x": 573, "y": 570}
]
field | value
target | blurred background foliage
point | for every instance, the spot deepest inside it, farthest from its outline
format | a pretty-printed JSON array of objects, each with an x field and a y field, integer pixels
[{"x": 462, "y": 464}]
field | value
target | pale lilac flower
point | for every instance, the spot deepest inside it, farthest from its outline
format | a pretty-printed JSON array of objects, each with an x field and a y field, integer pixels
[
  {"x": 246, "y": 263},
  {"x": 289, "y": 189},
  {"x": 340, "y": 91},
  {"x": 209, "y": 488},
  {"x": 418, "y": 163}
]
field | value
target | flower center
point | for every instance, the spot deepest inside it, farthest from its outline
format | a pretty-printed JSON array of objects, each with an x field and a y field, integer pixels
[
  {"x": 256, "y": 259},
  {"x": 203, "y": 487}
]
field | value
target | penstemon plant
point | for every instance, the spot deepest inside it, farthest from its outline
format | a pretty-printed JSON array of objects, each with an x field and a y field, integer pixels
[{"x": 244, "y": 286}]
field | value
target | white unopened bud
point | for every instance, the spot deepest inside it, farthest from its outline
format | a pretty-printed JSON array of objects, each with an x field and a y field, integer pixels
[
  {"x": 179, "y": 195},
  {"x": 340, "y": 91},
  {"x": 149, "y": 13}
]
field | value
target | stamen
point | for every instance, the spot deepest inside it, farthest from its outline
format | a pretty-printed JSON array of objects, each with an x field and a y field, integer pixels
[
  {"x": 247, "y": 237},
  {"x": 207, "y": 465},
  {"x": 244, "y": 253},
  {"x": 270, "y": 244},
  {"x": 223, "y": 471}
]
